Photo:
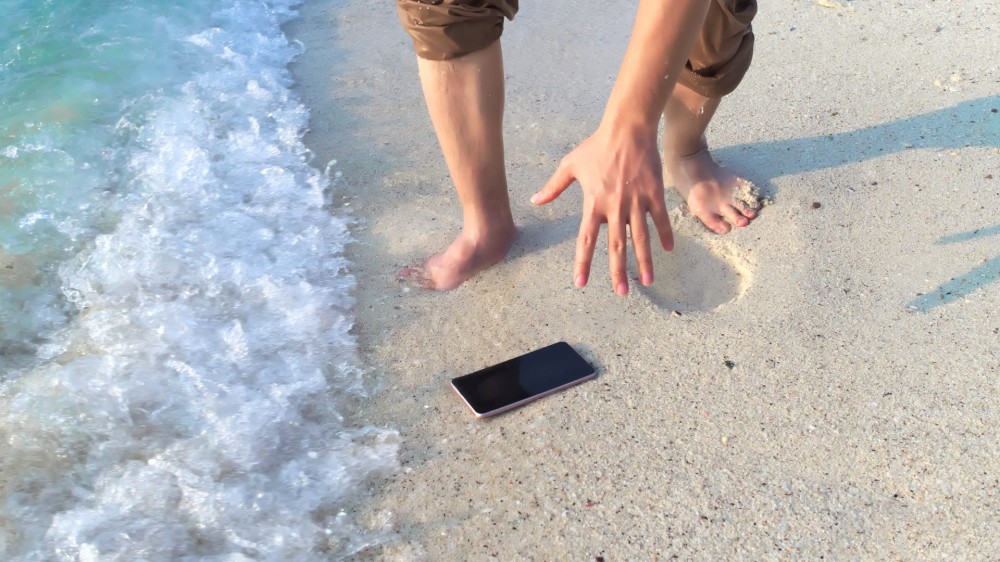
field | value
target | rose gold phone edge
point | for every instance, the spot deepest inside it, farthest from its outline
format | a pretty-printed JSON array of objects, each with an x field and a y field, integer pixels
[{"x": 520, "y": 403}]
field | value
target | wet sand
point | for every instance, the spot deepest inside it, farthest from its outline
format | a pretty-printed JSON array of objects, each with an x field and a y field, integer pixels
[{"x": 829, "y": 385}]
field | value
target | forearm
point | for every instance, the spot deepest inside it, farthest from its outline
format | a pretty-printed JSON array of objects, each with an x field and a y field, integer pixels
[{"x": 662, "y": 37}]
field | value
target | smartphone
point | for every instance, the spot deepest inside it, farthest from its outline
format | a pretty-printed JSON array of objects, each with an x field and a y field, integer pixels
[{"x": 517, "y": 381}]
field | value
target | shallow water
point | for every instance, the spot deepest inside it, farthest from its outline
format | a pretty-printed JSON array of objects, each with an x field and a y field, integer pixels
[{"x": 175, "y": 356}]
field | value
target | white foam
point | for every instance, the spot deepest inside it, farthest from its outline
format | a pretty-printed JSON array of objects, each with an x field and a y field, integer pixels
[{"x": 195, "y": 407}]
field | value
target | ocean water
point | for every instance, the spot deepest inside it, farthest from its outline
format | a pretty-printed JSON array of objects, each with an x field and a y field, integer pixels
[{"x": 176, "y": 366}]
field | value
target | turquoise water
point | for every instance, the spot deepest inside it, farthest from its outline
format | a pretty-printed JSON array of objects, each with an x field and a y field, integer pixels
[
  {"x": 175, "y": 308},
  {"x": 75, "y": 80}
]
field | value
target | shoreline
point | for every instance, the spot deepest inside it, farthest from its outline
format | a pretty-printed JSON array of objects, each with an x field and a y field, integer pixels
[{"x": 795, "y": 408}]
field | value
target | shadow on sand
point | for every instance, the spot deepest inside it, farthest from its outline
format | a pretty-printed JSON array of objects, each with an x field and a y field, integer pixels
[
  {"x": 958, "y": 287},
  {"x": 972, "y": 123},
  {"x": 975, "y": 123}
]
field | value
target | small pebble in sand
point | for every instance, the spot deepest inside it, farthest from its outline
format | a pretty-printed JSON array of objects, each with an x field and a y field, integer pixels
[
  {"x": 816, "y": 205},
  {"x": 16, "y": 271},
  {"x": 729, "y": 364},
  {"x": 675, "y": 313},
  {"x": 989, "y": 176}
]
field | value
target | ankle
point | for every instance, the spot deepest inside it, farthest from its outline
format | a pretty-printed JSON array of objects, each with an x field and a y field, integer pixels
[
  {"x": 484, "y": 228},
  {"x": 685, "y": 148}
]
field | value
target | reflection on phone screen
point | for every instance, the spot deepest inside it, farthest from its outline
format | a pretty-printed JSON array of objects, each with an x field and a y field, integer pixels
[{"x": 522, "y": 379}]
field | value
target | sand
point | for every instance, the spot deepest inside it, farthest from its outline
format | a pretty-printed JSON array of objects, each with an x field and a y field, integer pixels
[{"x": 829, "y": 385}]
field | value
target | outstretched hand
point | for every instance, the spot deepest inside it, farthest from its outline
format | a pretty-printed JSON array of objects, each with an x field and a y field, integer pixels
[{"x": 621, "y": 176}]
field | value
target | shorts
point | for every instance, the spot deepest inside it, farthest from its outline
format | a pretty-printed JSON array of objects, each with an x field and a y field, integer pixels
[{"x": 448, "y": 29}]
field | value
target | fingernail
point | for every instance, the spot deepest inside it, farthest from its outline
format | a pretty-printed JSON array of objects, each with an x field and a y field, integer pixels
[
  {"x": 580, "y": 280},
  {"x": 622, "y": 289},
  {"x": 647, "y": 279},
  {"x": 534, "y": 199}
]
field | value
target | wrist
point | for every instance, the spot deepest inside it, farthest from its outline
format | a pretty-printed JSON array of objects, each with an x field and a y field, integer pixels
[{"x": 632, "y": 123}]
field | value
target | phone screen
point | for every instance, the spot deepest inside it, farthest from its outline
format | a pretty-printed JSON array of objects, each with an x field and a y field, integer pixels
[{"x": 520, "y": 380}]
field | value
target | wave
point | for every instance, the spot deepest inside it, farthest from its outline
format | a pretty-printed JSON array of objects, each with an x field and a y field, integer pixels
[{"x": 197, "y": 404}]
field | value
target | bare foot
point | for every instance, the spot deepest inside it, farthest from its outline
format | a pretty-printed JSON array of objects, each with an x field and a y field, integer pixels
[
  {"x": 713, "y": 193},
  {"x": 464, "y": 258}
]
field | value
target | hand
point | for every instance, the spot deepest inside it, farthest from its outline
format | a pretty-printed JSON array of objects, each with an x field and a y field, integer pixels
[{"x": 621, "y": 176}]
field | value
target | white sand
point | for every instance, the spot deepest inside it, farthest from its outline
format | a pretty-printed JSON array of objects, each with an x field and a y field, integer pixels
[{"x": 859, "y": 419}]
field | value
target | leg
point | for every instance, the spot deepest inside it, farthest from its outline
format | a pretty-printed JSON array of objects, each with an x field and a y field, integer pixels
[
  {"x": 717, "y": 63},
  {"x": 706, "y": 186},
  {"x": 465, "y": 98},
  {"x": 461, "y": 71}
]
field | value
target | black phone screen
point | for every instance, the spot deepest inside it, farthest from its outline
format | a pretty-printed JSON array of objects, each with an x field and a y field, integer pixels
[{"x": 517, "y": 380}]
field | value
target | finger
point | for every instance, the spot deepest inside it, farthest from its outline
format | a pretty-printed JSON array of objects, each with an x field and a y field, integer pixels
[
  {"x": 560, "y": 180},
  {"x": 616, "y": 255},
  {"x": 733, "y": 216},
  {"x": 640, "y": 240},
  {"x": 590, "y": 227},
  {"x": 662, "y": 222}
]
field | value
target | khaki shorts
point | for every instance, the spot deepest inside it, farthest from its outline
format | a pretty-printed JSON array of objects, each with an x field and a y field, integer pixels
[{"x": 447, "y": 29}]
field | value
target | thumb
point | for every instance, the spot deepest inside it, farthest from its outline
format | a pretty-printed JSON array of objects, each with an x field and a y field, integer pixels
[{"x": 558, "y": 183}]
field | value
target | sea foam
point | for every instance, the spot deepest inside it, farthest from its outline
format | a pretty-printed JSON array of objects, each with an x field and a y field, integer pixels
[{"x": 195, "y": 405}]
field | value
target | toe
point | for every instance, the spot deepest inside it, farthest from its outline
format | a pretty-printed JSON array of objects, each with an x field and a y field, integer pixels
[
  {"x": 714, "y": 223},
  {"x": 408, "y": 273},
  {"x": 416, "y": 276},
  {"x": 749, "y": 213},
  {"x": 733, "y": 216}
]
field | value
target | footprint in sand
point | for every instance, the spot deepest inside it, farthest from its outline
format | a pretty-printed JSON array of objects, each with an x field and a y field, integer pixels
[{"x": 696, "y": 275}]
